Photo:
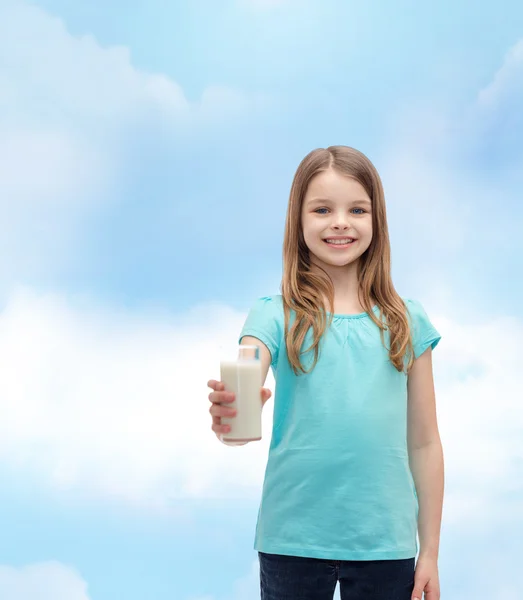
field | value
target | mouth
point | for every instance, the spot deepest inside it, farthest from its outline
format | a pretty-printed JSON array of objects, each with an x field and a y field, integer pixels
[{"x": 339, "y": 243}]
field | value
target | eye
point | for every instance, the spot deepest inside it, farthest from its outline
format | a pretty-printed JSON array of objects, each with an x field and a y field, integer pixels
[{"x": 360, "y": 213}]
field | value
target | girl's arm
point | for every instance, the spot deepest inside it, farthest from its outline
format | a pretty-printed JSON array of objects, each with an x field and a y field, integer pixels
[{"x": 425, "y": 453}]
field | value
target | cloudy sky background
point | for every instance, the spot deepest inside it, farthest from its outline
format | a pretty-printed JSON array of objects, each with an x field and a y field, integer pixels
[{"x": 146, "y": 155}]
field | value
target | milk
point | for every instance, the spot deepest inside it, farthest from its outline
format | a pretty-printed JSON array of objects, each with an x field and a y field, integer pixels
[{"x": 242, "y": 376}]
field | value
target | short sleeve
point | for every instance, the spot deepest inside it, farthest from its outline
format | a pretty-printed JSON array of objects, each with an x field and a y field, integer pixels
[
  {"x": 424, "y": 334},
  {"x": 264, "y": 322}
]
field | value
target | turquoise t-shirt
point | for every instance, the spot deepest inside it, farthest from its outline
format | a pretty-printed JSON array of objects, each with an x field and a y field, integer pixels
[{"x": 338, "y": 483}]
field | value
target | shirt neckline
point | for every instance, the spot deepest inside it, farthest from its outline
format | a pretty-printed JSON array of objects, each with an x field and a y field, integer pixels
[{"x": 361, "y": 315}]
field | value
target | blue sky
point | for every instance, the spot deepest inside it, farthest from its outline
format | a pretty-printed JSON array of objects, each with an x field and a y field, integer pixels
[{"x": 148, "y": 150}]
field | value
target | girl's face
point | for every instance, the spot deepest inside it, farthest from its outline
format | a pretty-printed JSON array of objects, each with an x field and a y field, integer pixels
[{"x": 336, "y": 206}]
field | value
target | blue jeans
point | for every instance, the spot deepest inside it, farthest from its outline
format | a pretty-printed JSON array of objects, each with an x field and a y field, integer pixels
[{"x": 296, "y": 578}]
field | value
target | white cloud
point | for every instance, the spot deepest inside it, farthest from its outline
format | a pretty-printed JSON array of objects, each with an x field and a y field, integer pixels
[
  {"x": 43, "y": 581},
  {"x": 481, "y": 416},
  {"x": 46, "y": 179},
  {"x": 69, "y": 76},
  {"x": 495, "y": 122},
  {"x": 115, "y": 404},
  {"x": 64, "y": 96},
  {"x": 479, "y": 410},
  {"x": 508, "y": 81},
  {"x": 437, "y": 204},
  {"x": 67, "y": 108},
  {"x": 427, "y": 194}
]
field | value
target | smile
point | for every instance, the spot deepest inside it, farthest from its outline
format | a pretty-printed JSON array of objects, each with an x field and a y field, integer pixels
[{"x": 339, "y": 243}]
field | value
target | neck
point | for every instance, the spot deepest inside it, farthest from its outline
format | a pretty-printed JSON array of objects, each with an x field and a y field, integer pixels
[{"x": 345, "y": 281}]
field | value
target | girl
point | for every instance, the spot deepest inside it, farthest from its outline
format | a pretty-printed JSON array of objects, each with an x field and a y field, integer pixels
[{"x": 355, "y": 466}]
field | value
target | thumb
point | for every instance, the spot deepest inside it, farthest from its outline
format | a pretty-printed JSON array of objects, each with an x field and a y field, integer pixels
[
  {"x": 417, "y": 593},
  {"x": 265, "y": 395}
]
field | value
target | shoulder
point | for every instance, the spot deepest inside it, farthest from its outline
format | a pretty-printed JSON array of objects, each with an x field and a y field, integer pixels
[
  {"x": 416, "y": 313},
  {"x": 276, "y": 299},
  {"x": 267, "y": 309},
  {"x": 424, "y": 332},
  {"x": 265, "y": 322},
  {"x": 271, "y": 304},
  {"x": 414, "y": 306}
]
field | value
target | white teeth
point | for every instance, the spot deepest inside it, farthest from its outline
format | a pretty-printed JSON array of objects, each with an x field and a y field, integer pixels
[{"x": 345, "y": 241}]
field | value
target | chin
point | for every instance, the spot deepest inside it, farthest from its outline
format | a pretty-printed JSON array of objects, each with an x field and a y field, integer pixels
[{"x": 342, "y": 261}]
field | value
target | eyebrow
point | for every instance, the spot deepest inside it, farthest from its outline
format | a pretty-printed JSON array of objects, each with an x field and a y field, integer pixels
[{"x": 357, "y": 201}]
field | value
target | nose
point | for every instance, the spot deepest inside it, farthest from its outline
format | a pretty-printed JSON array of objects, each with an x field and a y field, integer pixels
[{"x": 341, "y": 223}]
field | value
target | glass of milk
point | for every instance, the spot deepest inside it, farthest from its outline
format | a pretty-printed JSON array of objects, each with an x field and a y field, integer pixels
[{"x": 241, "y": 375}]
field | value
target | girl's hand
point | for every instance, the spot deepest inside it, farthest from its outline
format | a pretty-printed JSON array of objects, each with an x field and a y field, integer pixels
[
  {"x": 219, "y": 399},
  {"x": 426, "y": 579}
]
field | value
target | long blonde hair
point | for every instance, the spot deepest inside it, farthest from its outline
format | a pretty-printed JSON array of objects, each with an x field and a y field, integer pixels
[{"x": 303, "y": 290}]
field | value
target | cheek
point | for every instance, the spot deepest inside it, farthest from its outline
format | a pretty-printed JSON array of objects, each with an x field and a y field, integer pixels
[
  {"x": 312, "y": 236},
  {"x": 367, "y": 228},
  {"x": 308, "y": 228}
]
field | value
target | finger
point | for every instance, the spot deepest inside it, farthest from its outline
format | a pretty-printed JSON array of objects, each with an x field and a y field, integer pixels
[
  {"x": 220, "y": 428},
  {"x": 217, "y": 410},
  {"x": 217, "y": 386},
  {"x": 221, "y": 397}
]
